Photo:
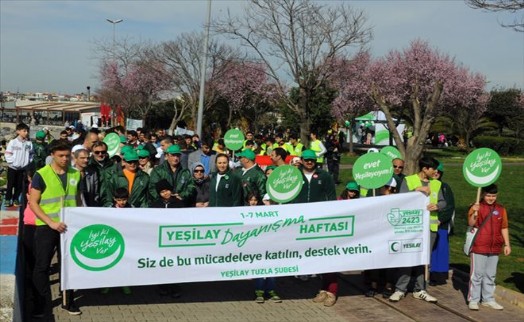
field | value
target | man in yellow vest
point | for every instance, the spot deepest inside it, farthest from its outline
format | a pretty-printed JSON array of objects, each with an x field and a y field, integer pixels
[
  {"x": 422, "y": 181},
  {"x": 296, "y": 145},
  {"x": 318, "y": 147},
  {"x": 53, "y": 187}
]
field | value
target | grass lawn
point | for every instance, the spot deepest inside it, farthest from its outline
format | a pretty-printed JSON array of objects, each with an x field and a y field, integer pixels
[{"x": 510, "y": 272}]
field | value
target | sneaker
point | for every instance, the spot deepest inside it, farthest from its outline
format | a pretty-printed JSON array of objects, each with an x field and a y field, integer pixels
[
  {"x": 104, "y": 290},
  {"x": 474, "y": 306},
  {"x": 423, "y": 295},
  {"x": 274, "y": 297},
  {"x": 126, "y": 290},
  {"x": 259, "y": 296},
  {"x": 321, "y": 297},
  {"x": 371, "y": 292},
  {"x": 330, "y": 300},
  {"x": 72, "y": 309},
  {"x": 397, "y": 296},
  {"x": 494, "y": 305}
]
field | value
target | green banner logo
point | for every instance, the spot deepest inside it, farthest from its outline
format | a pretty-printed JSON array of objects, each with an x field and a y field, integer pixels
[
  {"x": 113, "y": 144},
  {"x": 234, "y": 139},
  {"x": 391, "y": 152},
  {"x": 284, "y": 183},
  {"x": 373, "y": 170},
  {"x": 97, "y": 247},
  {"x": 482, "y": 167}
]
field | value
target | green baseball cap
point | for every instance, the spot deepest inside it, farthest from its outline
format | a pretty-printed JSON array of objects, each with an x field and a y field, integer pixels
[
  {"x": 125, "y": 149},
  {"x": 309, "y": 155},
  {"x": 130, "y": 156},
  {"x": 123, "y": 139},
  {"x": 173, "y": 149},
  {"x": 440, "y": 167},
  {"x": 143, "y": 153},
  {"x": 352, "y": 186},
  {"x": 40, "y": 135},
  {"x": 247, "y": 153}
]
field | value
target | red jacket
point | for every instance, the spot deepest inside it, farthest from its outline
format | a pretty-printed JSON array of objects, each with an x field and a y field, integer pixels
[{"x": 489, "y": 239}]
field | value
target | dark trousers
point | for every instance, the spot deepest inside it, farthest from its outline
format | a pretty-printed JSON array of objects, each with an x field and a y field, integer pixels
[
  {"x": 47, "y": 240},
  {"x": 15, "y": 179},
  {"x": 334, "y": 169}
]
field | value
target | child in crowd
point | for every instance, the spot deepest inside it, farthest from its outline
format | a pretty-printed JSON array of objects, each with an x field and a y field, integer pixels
[
  {"x": 352, "y": 191},
  {"x": 167, "y": 200},
  {"x": 18, "y": 155},
  {"x": 263, "y": 286},
  {"x": 165, "y": 196},
  {"x": 492, "y": 238},
  {"x": 120, "y": 198}
]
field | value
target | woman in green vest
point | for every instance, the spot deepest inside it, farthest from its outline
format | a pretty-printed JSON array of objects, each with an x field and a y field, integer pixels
[{"x": 225, "y": 188}]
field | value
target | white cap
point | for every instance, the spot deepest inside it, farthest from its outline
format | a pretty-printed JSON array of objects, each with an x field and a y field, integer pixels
[
  {"x": 159, "y": 153},
  {"x": 77, "y": 147}
]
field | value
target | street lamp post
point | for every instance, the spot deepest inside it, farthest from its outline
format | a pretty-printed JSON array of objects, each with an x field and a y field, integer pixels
[{"x": 114, "y": 22}]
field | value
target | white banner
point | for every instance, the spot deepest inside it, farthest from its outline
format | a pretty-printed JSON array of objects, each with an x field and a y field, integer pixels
[{"x": 106, "y": 247}]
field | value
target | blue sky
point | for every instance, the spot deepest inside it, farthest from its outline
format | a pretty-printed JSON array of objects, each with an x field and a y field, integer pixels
[{"x": 48, "y": 46}]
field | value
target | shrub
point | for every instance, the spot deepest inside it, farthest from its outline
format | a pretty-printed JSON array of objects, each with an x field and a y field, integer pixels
[{"x": 502, "y": 145}]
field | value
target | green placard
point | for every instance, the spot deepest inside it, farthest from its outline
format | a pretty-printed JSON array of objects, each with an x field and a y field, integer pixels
[
  {"x": 391, "y": 152},
  {"x": 482, "y": 167},
  {"x": 284, "y": 183},
  {"x": 113, "y": 144},
  {"x": 373, "y": 170},
  {"x": 234, "y": 139}
]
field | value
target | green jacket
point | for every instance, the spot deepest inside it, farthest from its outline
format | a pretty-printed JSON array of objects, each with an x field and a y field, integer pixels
[
  {"x": 181, "y": 180},
  {"x": 254, "y": 180},
  {"x": 40, "y": 153},
  {"x": 139, "y": 196},
  {"x": 229, "y": 192},
  {"x": 321, "y": 188},
  {"x": 106, "y": 171}
]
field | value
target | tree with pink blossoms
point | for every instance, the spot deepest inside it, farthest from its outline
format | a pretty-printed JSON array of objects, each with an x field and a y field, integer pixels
[
  {"x": 244, "y": 85},
  {"x": 417, "y": 85}
]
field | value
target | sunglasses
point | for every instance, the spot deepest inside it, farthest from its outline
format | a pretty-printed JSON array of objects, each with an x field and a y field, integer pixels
[
  {"x": 99, "y": 152},
  {"x": 310, "y": 160},
  {"x": 398, "y": 167},
  {"x": 199, "y": 171}
]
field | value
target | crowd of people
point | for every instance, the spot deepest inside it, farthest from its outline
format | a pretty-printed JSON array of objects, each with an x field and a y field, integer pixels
[{"x": 154, "y": 169}]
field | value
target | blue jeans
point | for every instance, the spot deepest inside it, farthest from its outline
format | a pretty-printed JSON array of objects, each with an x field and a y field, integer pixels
[{"x": 265, "y": 284}]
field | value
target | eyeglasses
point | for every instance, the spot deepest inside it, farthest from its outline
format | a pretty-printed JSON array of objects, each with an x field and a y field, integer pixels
[
  {"x": 99, "y": 152},
  {"x": 398, "y": 167},
  {"x": 199, "y": 171}
]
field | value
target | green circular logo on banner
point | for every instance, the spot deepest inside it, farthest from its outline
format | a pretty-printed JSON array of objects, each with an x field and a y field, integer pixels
[
  {"x": 113, "y": 144},
  {"x": 97, "y": 247},
  {"x": 391, "y": 152},
  {"x": 373, "y": 170},
  {"x": 234, "y": 139},
  {"x": 284, "y": 183},
  {"x": 482, "y": 167}
]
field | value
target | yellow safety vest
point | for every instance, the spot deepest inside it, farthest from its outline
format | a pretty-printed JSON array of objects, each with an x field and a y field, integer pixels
[
  {"x": 315, "y": 146},
  {"x": 413, "y": 181},
  {"x": 54, "y": 197},
  {"x": 297, "y": 150}
]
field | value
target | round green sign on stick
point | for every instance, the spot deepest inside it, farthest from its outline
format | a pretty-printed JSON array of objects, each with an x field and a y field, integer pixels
[
  {"x": 113, "y": 144},
  {"x": 482, "y": 167},
  {"x": 373, "y": 170},
  {"x": 391, "y": 152},
  {"x": 234, "y": 139},
  {"x": 284, "y": 183}
]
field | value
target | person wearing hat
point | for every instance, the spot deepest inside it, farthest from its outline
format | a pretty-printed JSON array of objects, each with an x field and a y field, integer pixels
[
  {"x": 201, "y": 184},
  {"x": 424, "y": 182},
  {"x": 252, "y": 177},
  {"x": 439, "y": 268},
  {"x": 352, "y": 191},
  {"x": 40, "y": 152},
  {"x": 143, "y": 161},
  {"x": 318, "y": 186},
  {"x": 166, "y": 199},
  {"x": 171, "y": 170},
  {"x": 135, "y": 180}
]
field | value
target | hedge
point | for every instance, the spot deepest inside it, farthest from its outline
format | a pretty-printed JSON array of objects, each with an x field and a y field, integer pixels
[{"x": 502, "y": 145}]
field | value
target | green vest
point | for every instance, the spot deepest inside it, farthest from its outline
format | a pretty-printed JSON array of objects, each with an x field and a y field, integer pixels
[
  {"x": 315, "y": 146},
  {"x": 413, "y": 181},
  {"x": 54, "y": 197}
]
